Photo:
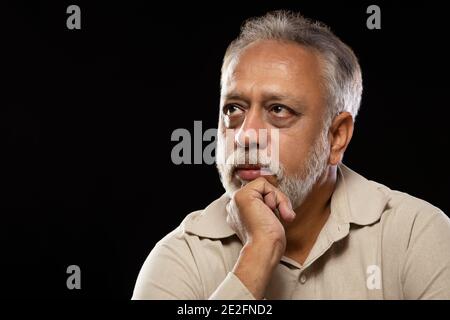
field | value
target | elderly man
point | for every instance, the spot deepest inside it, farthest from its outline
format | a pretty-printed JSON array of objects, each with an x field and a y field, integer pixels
[{"x": 308, "y": 227}]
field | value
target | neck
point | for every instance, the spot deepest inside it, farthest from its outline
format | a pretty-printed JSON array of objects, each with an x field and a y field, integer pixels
[{"x": 312, "y": 215}]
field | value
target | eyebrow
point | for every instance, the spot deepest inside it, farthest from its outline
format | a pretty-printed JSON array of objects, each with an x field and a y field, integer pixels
[{"x": 268, "y": 96}]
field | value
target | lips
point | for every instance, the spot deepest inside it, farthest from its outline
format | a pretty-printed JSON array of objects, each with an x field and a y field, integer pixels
[{"x": 248, "y": 172}]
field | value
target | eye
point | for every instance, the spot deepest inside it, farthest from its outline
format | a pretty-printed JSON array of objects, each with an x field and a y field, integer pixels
[
  {"x": 280, "y": 111},
  {"x": 232, "y": 110}
]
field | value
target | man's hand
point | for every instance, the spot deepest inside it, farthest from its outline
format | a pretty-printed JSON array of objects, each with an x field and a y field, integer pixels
[{"x": 254, "y": 213}]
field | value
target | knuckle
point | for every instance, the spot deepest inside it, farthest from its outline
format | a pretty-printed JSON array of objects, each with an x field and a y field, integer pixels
[
  {"x": 260, "y": 180},
  {"x": 257, "y": 182}
]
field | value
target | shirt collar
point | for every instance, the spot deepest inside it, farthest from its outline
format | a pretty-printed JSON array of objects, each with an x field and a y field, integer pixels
[
  {"x": 358, "y": 200},
  {"x": 355, "y": 200},
  {"x": 210, "y": 222}
]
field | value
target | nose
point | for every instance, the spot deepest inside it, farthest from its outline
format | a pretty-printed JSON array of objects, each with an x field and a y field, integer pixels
[{"x": 253, "y": 132}]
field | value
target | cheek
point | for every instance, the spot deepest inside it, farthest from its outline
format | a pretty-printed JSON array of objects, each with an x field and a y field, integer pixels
[{"x": 293, "y": 152}]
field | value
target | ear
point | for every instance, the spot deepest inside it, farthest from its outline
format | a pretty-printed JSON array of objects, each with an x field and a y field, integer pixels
[{"x": 341, "y": 132}]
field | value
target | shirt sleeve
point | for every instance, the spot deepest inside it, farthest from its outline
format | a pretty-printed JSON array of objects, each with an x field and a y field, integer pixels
[
  {"x": 170, "y": 272},
  {"x": 232, "y": 289},
  {"x": 426, "y": 270}
]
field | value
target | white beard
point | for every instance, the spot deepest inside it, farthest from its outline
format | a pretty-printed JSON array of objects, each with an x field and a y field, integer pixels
[{"x": 295, "y": 187}]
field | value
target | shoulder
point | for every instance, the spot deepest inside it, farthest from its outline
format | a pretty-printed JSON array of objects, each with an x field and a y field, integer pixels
[
  {"x": 406, "y": 219},
  {"x": 416, "y": 246},
  {"x": 190, "y": 261},
  {"x": 403, "y": 209}
]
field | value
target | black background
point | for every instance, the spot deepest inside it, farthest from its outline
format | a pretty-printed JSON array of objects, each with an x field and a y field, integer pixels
[{"x": 86, "y": 118}]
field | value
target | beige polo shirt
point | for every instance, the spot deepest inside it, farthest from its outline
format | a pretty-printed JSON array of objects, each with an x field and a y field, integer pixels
[{"x": 377, "y": 244}]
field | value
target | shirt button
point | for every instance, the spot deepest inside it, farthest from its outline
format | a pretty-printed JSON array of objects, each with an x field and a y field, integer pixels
[{"x": 302, "y": 278}]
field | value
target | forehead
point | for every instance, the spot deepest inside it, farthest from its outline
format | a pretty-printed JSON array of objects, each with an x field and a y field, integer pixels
[{"x": 274, "y": 65}]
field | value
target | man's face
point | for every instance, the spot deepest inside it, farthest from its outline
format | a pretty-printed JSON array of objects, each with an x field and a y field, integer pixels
[{"x": 275, "y": 85}]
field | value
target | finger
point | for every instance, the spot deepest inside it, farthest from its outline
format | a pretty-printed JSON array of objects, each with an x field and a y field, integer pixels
[
  {"x": 286, "y": 212},
  {"x": 282, "y": 202},
  {"x": 270, "y": 201},
  {"x": 272, "y": 180},
  {"x": 284, "y": 207}
]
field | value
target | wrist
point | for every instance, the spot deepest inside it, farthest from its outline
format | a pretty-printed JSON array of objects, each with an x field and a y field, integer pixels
[
  {"x": 266, "y": 247},
  {"x": 255, "y": 266}
]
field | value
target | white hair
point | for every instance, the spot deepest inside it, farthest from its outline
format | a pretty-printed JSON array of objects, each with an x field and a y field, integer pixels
[{"x": 342, "y": 73}]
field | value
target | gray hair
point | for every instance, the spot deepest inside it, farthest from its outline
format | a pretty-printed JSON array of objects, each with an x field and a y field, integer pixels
[{"x": 342, "y": 73}]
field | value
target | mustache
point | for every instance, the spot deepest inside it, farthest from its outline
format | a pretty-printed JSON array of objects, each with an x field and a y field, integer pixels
[
  {"x": 256, "y": 160},
  {"x": 245, "y": 157}
]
